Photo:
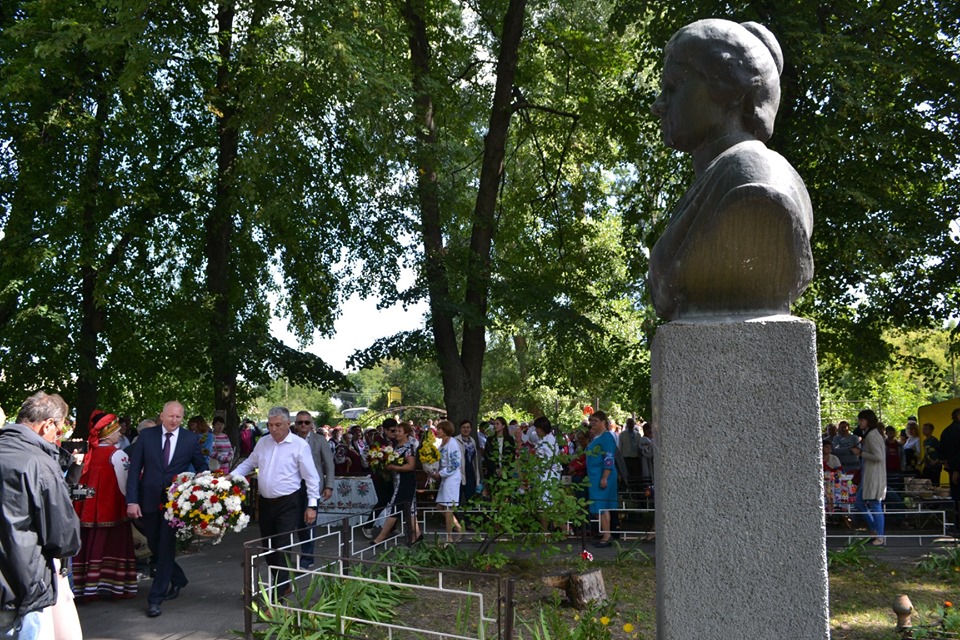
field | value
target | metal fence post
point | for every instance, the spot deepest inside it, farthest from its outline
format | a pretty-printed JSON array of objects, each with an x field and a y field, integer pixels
[
  {"x": 248, "y": 591},
  {"x": 345, "y": 545},
  {"x": 509, "y": 611}
]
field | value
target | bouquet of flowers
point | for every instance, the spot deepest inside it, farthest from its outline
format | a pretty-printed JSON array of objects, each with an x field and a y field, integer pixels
[
  {"x": 429, "y": 455},
  {"x": 206, "y": 504},
  {"x": 380, "y": 456}
]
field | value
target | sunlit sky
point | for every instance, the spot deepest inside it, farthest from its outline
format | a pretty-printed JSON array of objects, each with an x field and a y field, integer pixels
[{"x": 359, "y": 324}]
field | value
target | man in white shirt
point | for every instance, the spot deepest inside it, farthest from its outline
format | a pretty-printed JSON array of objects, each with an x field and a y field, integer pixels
[{"x": 282, "y": 461}]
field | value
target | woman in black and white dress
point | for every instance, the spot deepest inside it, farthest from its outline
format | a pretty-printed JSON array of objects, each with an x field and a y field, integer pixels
[{"x": 404, "y": 481}]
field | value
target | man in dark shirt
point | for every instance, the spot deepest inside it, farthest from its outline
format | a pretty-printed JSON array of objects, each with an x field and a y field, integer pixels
[
  {"x": 38, "y": 521},
  {"x": 950, "y": 455},
  {"x": 932, "y": 464}
]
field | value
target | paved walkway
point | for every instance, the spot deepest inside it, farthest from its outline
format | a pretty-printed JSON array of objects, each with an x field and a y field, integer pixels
[{"x": 208, "y": 608}]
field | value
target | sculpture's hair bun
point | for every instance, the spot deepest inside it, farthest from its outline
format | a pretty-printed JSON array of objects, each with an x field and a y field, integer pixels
[{"x": 769, "y": 41}]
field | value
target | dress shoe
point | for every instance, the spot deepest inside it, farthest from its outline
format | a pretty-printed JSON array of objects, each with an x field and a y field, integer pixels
[
  {"x": 153, "y": 611},
  {"x": 602, "y": 544},
  {"x": 174, "y": 592}
]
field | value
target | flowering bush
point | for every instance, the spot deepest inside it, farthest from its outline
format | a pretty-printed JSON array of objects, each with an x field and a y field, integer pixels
[
  {"x": 594, "y": 623},
  {"x": 379, "y": 457},
  {"x": 206, "y": 504},
  {"x": 429, "y": 453}
]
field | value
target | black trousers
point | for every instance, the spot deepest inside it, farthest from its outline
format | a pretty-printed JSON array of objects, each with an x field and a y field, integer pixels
[
  {"x": 162, "y": 540},
  {"x": 279, "y": 518}
]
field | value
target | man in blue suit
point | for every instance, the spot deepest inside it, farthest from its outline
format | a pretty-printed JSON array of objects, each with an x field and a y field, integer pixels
[{"x": 155, "y": 458}]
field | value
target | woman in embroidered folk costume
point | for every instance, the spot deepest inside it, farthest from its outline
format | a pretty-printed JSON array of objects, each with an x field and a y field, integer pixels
[
  {"x": 106, "y": 565},
  {"x": 448, "y": 495}
]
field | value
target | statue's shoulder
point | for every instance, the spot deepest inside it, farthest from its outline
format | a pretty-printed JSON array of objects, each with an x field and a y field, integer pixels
[
  {"x": 751, "y": 171},
  {"x": 752, "y": 162}
]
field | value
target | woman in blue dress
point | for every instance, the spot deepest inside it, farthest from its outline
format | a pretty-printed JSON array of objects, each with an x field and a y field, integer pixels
[{"x": 602, "y": 472}]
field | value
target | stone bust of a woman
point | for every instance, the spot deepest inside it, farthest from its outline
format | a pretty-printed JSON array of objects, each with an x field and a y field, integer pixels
[{"x": 738, "y": 242}]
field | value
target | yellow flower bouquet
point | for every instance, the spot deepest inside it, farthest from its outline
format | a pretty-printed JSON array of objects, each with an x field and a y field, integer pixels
[
  {"x": 429, "y": 456},
  {"x": 429, "y": 453}
]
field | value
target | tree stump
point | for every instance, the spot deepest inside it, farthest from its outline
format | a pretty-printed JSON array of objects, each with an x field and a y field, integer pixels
[{"x": 581, "y": 588}]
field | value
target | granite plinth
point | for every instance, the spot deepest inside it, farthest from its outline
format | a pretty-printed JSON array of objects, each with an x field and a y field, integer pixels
[{"x": 740, "y": 519}]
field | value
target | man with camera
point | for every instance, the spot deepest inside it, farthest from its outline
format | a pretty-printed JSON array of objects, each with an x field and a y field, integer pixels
[{"x": 38, "y": 524}]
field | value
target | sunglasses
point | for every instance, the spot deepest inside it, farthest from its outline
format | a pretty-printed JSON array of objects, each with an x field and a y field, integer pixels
[{"x": 304, "y": 421}]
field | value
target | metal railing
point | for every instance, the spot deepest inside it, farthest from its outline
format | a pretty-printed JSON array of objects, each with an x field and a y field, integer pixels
[
  {"x": 928, "y": 524},
  {"x": 340, "y": 555}
]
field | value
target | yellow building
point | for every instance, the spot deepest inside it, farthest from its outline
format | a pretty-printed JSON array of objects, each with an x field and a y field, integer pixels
[{"x": 938, "y": 414}]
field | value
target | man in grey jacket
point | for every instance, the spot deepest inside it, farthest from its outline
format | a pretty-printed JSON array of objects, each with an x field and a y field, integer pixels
[
  {"x": 38, "y": 524},
  {"x": 323, "y": 460},
  {"x": 630, "y": 449}
]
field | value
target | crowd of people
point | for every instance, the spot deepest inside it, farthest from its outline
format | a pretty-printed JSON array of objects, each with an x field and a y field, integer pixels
[
  {"x": 878, "y": 459},
  {"x": 121, "y": 475},
  {"x": 472, "y": 461}
]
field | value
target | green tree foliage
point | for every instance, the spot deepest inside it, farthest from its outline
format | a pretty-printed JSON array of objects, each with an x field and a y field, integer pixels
[
  {"x": 87, "y": 191},
  {"x": 280, "y": 393},
  {"x": 921, "y": 371},
  {"x": 173, "y": 174},
  {"x": 417, "y": 378},
  {"x": 526, "y": 250},
  {"x": 523, "y": 500},
  {"x": 158, "y": 184}
]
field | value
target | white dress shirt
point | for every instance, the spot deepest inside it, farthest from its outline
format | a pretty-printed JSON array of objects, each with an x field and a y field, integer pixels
[{"x": 281, "y": 466}]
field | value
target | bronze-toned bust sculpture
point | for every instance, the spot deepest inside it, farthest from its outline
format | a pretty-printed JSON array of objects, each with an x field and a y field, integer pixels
[{"x": 738, "y": 242}]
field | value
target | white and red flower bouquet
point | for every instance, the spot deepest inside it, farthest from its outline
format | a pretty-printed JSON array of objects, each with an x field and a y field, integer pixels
[
  {"x": 207, "y": 505},
  {"x": 380, "y": 456}
]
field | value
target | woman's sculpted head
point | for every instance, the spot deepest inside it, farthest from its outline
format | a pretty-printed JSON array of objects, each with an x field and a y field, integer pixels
[{"x": 738, "y": 66}]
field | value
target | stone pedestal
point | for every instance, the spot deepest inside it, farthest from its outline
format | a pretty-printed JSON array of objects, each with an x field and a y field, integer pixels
[{"x": 740, "y": 520}]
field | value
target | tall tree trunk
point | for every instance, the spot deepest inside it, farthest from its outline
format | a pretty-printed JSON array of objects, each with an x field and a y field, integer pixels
[
  {"x": 91, "y": 312},
  {"x": 219, "y": 228},
  {"x": 461, "y": 367},
  {"x": 521, "y": 349}
]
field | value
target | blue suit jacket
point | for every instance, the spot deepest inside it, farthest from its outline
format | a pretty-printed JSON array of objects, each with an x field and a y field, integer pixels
[{"x": 148, "y": 479}]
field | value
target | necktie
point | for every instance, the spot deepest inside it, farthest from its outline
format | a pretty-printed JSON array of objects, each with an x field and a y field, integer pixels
[{"x": 166, "y": 450}]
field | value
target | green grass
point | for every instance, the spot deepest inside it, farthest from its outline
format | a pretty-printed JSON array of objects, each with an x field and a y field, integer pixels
[
  {"x": 862, "y": 589},
  {"x": 863, "y": 584},
  {"x": 860, "y": 597}
]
